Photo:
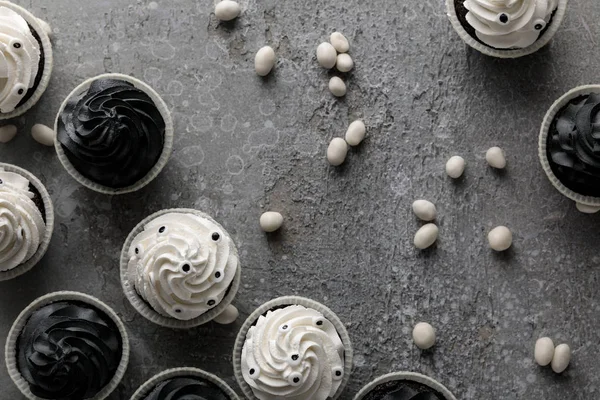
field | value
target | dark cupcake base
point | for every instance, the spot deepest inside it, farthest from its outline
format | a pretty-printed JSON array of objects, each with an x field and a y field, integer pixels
[
  {"x": 386, "y": 388},
  {"x": 38, "y": 200}
]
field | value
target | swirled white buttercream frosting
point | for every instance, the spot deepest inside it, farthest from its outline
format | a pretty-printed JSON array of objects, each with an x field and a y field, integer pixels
[
  {"x": 19, "y": 59},
  {"x": 182, "y": 264},
  {"x": 293, "y": 353},
  {"x": 509, "y": 24},
  {"x": 22, "y": 226}
]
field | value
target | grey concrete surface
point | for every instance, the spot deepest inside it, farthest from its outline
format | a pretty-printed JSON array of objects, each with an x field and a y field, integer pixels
[{"x": 244, "y": 145}]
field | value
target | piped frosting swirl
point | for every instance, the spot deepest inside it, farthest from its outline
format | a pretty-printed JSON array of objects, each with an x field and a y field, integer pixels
[
  {"x": 509, "y": 24},
  {"x": 68, "y": 351},
  {"x": 293, "y": 353},
  {"x": 187, "y": 388},
  {"x": 22, "y": 226},
  {"x": 182, "y": 264},
  {"x": 113, "y": 134}
]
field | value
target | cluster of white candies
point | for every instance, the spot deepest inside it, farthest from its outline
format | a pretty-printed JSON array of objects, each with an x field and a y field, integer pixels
[
  {"x": 335, "y": 54},
  {"x": 546, "y": 354},
  {"x": 41, "y": 133},
  {"x": 338, "y": 147}
]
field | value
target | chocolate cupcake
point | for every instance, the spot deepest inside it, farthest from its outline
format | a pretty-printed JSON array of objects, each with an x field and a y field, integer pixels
[
  {"x": 569, "y": 146},
  {"x": 404, "y": 386},
  {"x": 67, "y": 346},
  {"x": 114, "y": 134},
  {"x": 26, "y": 221},
  {"x": 26, "y": 62},
  {"x": 180, "y": 269},
  {"x": 292, "y": 348},
  {"x": 184, "y": 384},
  {"x": 506, "y": 28}
]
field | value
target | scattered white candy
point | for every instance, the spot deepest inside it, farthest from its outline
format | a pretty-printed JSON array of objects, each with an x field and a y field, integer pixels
[
  {"x": 326, "y": 55},
  {"x": 495, "y": 157},
  {"x": 228, "y": 316},
  {"x": 455, "y": 167},
  {"x": 544, "y": 351},
  {"x": 264, "y": 61},
  {"x": 426, "y": 236},
  {"x": 271, "y": 221},
  {"x": 344, "y": 63},
  {"x": 337, "y": 151},
  {"x": 227, "y": 10},
  {"x": 43, "y": 134},
  {"x": 587, "y": 209},
  {"x": 561, "y": 359},
  {"x": 7, "y": 133},
  {"x": 500, "y": 238},
  {"x": 356, "y": 133},
  {"x": 337, "y": 87},
  {"x": 340, "y": 42},
  {"x": 424, "y": 335},
  {"x": 424, "y": 210}
]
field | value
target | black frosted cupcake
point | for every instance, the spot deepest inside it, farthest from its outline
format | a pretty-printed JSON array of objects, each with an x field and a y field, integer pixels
[
  {"x": 67, "y": 346},
  {"x": 114, "y": 134},
  {"x": 26, "y": 62},
  {"x": 570, "y": 146},
  {"x": 184, "y": 384},
  {"x": 404, "y": 386}
]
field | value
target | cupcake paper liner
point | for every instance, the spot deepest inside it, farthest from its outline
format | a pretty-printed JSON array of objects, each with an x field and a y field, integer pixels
[
  {"x": 289, "y": 301},
  {"x": 160, "y": 164},
  {"x": 151, "y": 383},
  {"x": 40, "y": 28},
  {"x": 556, "y": 107},
  {"x": 45, "y": 241},
  {"x": 19, "y": 324},
  {"x": 405, "y": 376},
  {"x": 144, "y": 308},
  {"x": 557, "y": 20}
]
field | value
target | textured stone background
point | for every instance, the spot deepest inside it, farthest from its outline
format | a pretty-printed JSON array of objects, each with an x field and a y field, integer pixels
[{"x": 244, "y": 145}]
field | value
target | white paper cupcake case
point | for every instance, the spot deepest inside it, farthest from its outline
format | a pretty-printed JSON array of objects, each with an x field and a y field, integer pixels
[
  {"x": 550, "y": 115},
  {"x": 160, "y": 164},
  {"x": 144, "y": 308},
  {"x": 557, "y": 20},
  {"x": 405, "y": 376},
  {"x": 289, "y": 301},
  {"x": 19, "y": 324},
  {"x": 151, "y": 383},
  {"x": 45, "y": 241},
  {"x": 40, "y": 28}
]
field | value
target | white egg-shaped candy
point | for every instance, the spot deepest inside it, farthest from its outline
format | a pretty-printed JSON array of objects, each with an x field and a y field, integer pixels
[
  {"x": 271, "y": 221},
  {"x": 340, "y": 42},
  {"x": 326, "y": 55},
  {"x": 337, "y": 87},
  {"x": 561, "y": 359},
  {"x": 424, "y": 210},
  {"x": 227, "y": 10},
  {"x": 43, "y": 134},
  {"x": 496, "y": 158},
  {"x": 344, "y": 63},
  {"x": 500, "y": 238},
  {"x": 264, "y": 61},
  {"x": 424, "y": 335},
  {"x": 544, "y": 351},
  {"x": 337, "y": 151},
  {"x": 426, "y": 236},
  {"x": 455, "y": 167},
  {"x": 583, "y": 208},
  {"x": 356, "y": 133},
  {"x": 7, "y": 133},
  {"x": 228, "y": 316}
]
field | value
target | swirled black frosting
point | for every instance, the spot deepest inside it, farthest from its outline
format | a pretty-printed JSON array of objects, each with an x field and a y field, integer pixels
[
  {"x": 187, "y": 388},
  {"x": 574, "y": 145},
  {"x": 68, "y": 351},
  {"x": 113, "y": 134},
  {"x": 403, "y": 390}
]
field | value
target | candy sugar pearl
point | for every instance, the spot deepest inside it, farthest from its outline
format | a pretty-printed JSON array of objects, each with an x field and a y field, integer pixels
[
  {"x": 356, "y": 133},
  {"x": 426, "y": 236},
  {"x": 227, "y": 10},
  {"x": 7, "y": 133},
  {"x": 424, "y": 335},
  {"x": 496, "y": 158},
  {"x": 340, "y": 42},
  {"x": 228, "y": 316},
  {"x": 561, "y": 359},
  {"x": 500, "y": 238},
  {"x": 271, "y": 221},
  {"x": 337, "y": 151},
  {"x": 326, "y": 55},
  {"x": 455, "y": 167},
  {"x": 43, "y": 134},
  {"x": 344, "y": 63},
  {"x": 264, "y": 61},
  {"x": 544, "y": 351},
  {"x": 337, "y": 87},
  {"x": 424, "y": 210}
]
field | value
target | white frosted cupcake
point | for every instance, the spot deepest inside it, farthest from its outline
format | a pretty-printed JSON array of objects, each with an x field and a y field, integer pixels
[
  {"x": 180, "y": 269},
  {"x": 404, "y": 386},
  {"x": 67, "y": 346},
  {"x": 506, "y": 28},
  {"x": 26, "y": 62},
  {"x": 114, "y": 134},
  {"x": 26, "y": 221},
  {"x": 184, "y": 384},
  {"x": 292, "y": 348}
]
